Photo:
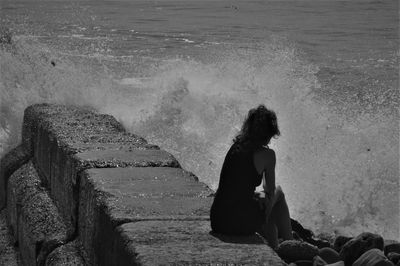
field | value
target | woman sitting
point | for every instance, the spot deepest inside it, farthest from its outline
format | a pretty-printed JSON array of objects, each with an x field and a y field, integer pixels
[{"x": 236, "y": 209}]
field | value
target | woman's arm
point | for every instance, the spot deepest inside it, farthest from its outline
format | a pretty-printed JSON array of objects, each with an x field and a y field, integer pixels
[
  {"x": 269, "y": 172},
  {"x": 269, "y": 180}
]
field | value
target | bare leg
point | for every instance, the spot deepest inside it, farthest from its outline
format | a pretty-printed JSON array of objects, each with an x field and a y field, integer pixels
[
  {"x": 280, "y": 212},
  {"x": 270, "y": 233},
  {"x": 277, "y": 220}
]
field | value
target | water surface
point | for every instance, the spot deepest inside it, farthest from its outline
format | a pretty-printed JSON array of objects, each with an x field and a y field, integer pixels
[{"x": 184, "y": 73}]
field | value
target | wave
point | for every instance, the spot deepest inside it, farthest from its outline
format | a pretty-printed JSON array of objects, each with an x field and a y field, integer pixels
[{"x": 337, "y": 173}]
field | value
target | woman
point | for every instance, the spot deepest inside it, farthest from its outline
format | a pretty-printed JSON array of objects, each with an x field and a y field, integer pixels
[{"x": 236, "y": 210}]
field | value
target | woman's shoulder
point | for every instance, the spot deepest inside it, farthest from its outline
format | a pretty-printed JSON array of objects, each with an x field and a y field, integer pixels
[
  {"x": 265, "y": 154},
  {"x": 265, "y": 151}
]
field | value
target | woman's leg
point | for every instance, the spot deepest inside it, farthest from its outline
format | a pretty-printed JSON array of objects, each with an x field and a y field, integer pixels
[
  {"x": 277, "y": 221},
  {"x": 281, "y": 216},
  {"x": 270, "y": 232}
]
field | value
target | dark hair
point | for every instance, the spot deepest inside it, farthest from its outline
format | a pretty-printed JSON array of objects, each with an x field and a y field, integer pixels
[{"x": 259, "y": 126}]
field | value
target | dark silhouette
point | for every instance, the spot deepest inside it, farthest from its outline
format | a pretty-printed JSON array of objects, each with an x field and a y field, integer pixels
[{"x": 237, "y": 209}]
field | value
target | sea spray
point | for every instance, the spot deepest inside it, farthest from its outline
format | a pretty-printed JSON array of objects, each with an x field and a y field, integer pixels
[
  {"x": 338, "y": 174},
  {"x": 33, "y": 73}
]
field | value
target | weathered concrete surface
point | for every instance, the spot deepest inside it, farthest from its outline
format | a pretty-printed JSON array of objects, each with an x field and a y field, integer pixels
[
  {"x": 182, "y": 243},
  {"x": 66, "y": 255},
  {"x": 76, "y": 129},
  {"x": 121, "y": 158},
  {"x": 67, "y": 140},
  {"x": 9, "y": 163},
  {"x": 9, "y": 255},
  {"x": 111, "y": 196},
  {"x": 33, "y": 217}
]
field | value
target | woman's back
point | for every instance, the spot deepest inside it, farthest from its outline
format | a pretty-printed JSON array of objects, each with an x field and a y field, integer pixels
[{"x": 235, "y": 211}]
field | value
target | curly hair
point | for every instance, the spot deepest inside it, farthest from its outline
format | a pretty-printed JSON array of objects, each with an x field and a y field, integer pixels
[{"x": 259, "y": 126}]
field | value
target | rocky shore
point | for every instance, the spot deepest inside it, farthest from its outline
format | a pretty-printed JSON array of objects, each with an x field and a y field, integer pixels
[{"x": 366, "y": 249}]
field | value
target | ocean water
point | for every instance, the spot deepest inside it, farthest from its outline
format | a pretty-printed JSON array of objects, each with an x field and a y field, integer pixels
[{"x": 183, "y": 74}]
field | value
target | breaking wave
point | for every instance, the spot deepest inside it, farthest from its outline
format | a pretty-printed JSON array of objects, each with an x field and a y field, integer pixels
[{"x": 338, "y": 172}]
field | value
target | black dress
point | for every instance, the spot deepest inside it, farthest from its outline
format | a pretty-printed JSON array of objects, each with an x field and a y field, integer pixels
[{"x": 234, "y": 210}]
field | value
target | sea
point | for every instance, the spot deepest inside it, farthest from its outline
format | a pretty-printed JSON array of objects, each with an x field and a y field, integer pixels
[{"x": 183, "y": 74}]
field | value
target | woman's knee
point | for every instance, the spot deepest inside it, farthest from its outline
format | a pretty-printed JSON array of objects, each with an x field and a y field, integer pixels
[{"x": 279, "y": 195}]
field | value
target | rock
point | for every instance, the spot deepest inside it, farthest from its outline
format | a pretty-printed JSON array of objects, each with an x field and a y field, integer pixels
[
  {"x": 394, "y": 257},
  {"x": 294, "y": 250},
  {"x": 395, "y": 247},
  {"x": 319, "y": 243},
  {"x": 304, "y": 263},
  {"x": 340, "y": 241},
  {"x": 373, "y": 257},
  {"x": 318, "y": 261},
  {"x": 329, "y": 255},
  {"x": 329, "y": 237},
  {"x": 354, "y": 248},
  {"x": 339, "y": 263},
  {"x": 68, "y": 254}
]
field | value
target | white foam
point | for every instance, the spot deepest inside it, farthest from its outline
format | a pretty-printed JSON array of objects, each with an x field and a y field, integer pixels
[
  {"x": 337, "y": 174},
  {"x": 133, "y": 81}
]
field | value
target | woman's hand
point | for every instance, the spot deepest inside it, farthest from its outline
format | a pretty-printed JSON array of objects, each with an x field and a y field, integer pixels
[
  {"x": 269, "y": 194},
  {"x": 260, "y": 196},
  {"x": 265, "y": 200}
]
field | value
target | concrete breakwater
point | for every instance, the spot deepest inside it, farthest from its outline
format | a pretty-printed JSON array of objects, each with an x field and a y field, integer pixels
[{"x": 80, "y": 190}]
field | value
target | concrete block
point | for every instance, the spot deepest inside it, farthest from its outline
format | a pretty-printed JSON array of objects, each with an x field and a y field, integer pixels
[
  {"x": 22, "y": 183},
  {"x": 182, "y": 243},
  {"x": 72, "y": 125},
  {"x": 9, "y": 163},
  {"x": 66, "y": 255},
  {"x": 64, "y": 178},
  {"x": 67, "y": 140},
  {"x": 33, "y": 217},
  {"x": 111, "y": 196},
  {"x": 9, "y": 255},
  {"x": 122, "y": 158},
  {"x": 44, "y": 147}
]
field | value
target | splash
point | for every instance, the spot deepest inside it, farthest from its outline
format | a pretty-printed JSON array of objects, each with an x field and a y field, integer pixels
[
  {"x": 32, "y": 73},
  {"x": 337, "y": 173}
]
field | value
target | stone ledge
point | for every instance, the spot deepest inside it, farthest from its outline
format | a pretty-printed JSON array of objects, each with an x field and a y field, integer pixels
[
  {"x": 73, "y": 127},
  {"x": 111, "y": 196},
  {"x": 66, "y": 140},
  {"x": 66, "y": 255},
  {"x": 122, "y": 158},
  {"x": 33, "y": 217},
  {"x": 9, "y": 163},
  {"x": 183, "y": 243},
  {"x": 9, "y": 255}
]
